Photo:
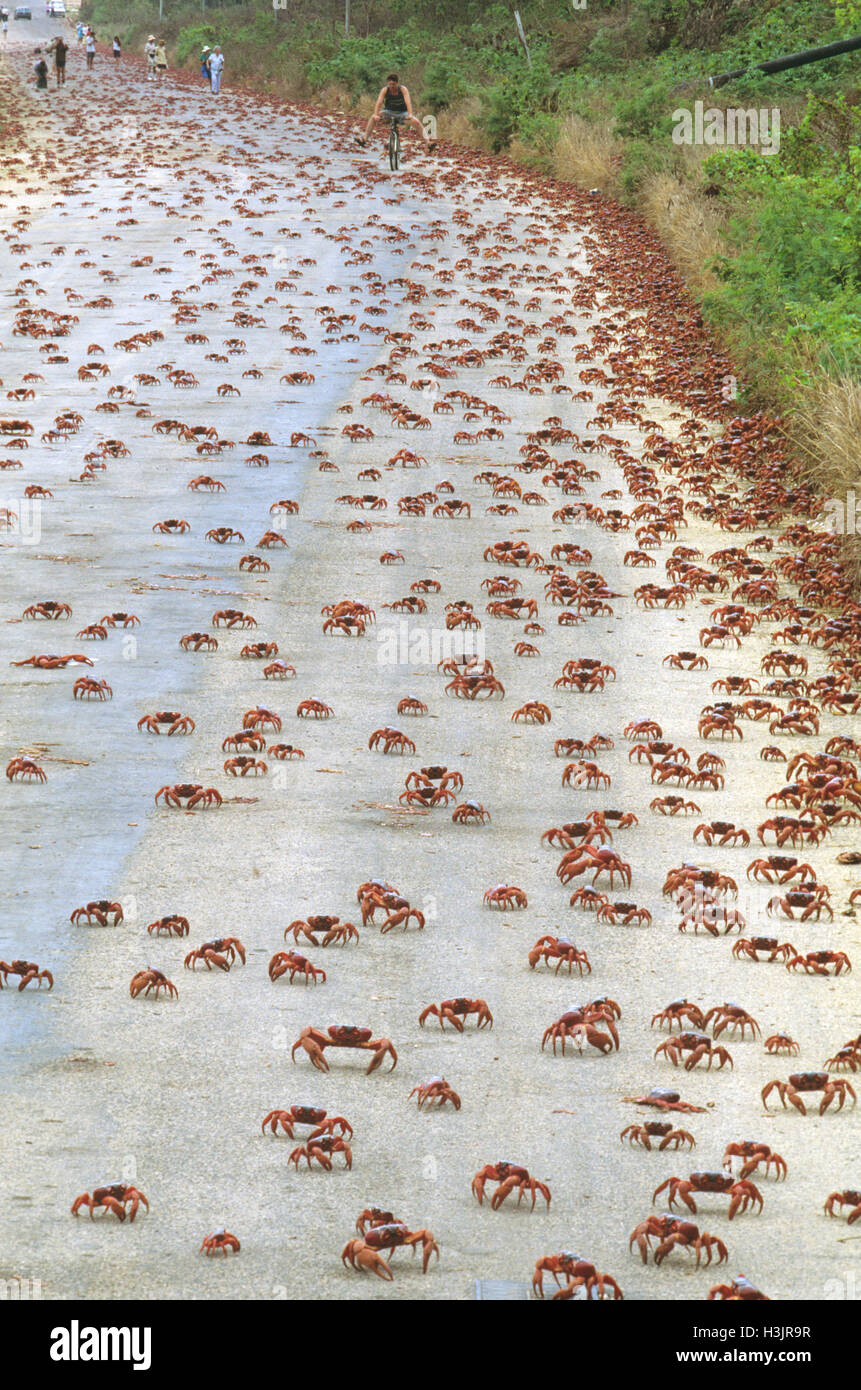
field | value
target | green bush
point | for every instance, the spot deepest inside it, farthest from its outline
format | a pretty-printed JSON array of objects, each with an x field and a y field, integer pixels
[
  {"x": 190, "y": 41},
  {"x": 793, "y": 268},
  {"x": 443, "y": 84},
  {"x": 362, "y": 65},
  {"x": 644, "y": 115}
]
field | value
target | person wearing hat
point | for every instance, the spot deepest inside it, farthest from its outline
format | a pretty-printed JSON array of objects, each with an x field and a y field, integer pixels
[
  {"x": 204, "y": 63},
  {"x": 216, "y": 63},
  {"x": 149, "y": 51}
]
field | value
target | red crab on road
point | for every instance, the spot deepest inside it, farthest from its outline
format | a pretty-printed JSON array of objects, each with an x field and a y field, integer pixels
[
  {"x": 754, "y": 1153},
  {"x": 25, "y": 769},
  {"x": 832, "y": 1088},
  {"x": 102, "y": 911},
  {"x": 436, "y": 1090},
  {"x": 847, "y": 1198},
  {"x": 221, "y": 1241},
  {"x": 661, "y": 1099},
  {"x": 505, "y": 896},
  {"x": 322, "y": 1151},
  {"x": 221, "y": 953},
  {"x": 113, "y": 1197},
  {"x": 699, "y": 1045},
  {"x": 671, "y": 1231},
  {"x": 510, "y": 1177},
  {"x": 366, "y": 1254},
  {"x": 657, "y": 1129},
  {"x": 741, "y": 1193},
  {"x": 284, "y": 962},
  {"x": 178, "y": 723},
  {"x": 306, "y": 1115},
  {"x": 454, "y": 1010},
  {"x": 561, "y": 950},
  {"x": 192, "y": 793},
  {"x": 28, "y": 971},
  {"x": 580, "y": 1273},
  {"x": 148, "y": 979},
  {"x": 739, "y": 1290},
  {"x": 314, "y": 1040}
]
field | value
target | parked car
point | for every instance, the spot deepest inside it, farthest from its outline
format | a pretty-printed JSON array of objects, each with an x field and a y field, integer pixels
[{"x": 23, "y": 12}]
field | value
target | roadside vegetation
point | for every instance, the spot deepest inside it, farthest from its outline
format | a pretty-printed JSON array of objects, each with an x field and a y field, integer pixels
[{"x": 769, "y": 244}]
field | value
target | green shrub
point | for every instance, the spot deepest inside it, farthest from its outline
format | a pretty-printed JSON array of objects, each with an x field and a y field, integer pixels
[
  {"x": 644, "y": 115},
  {"x": 443, "y": 83},
  {"x": 362, "y": 65},
  {"x": 190, "y": 41}
]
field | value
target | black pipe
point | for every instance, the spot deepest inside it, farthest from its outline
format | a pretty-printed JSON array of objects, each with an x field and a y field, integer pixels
[{"x": 792, "y": 60}]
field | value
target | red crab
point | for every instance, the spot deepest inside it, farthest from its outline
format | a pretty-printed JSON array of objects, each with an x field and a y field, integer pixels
[
  {"x": 454, "y": 1010},
  {"x": 799, "y": 1083},
  {"x": 113, "y": 1197},
  {"x": 314, "y": 1040},
  {"x": 671, "y": 1232},
  {"x": 306, "y": 1115},
  {"x": 741, "y": 1194},
  {"x": 28, "y": 971},
  {"x": 219, "y": 1241},
  {"x": 510, "y": 1177}
]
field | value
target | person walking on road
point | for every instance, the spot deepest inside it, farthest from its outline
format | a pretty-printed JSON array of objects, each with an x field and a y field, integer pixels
[
  {"x": 204, "y": 64},
  {"x": 117, "y": 47},
  {"x": 80, "y": 33},
  {"x": 60, "y": 49},
  {"x": 216, "y": 65},
  {"x": 5, "y": 25},
  {"x": 149, "y": 51},
  {"x": 160, "y": 60},
  {"x": 90, "y": 45}
]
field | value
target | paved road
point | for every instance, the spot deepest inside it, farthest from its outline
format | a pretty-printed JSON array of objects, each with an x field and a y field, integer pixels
[{"x": 188, "y": 236}]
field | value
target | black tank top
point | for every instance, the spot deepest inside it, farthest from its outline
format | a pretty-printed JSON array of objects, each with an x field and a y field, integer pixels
[{"x": 394, "y": 102}]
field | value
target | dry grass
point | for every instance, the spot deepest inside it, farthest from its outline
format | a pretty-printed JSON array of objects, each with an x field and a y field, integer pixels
[
  {"x": 688, "y": 223},
  {"x": 336, "y": 97},
  {"x": 457, "y": 124},
  {"x": 825, "y": 429},
  {"x": 584, "y": 155}
]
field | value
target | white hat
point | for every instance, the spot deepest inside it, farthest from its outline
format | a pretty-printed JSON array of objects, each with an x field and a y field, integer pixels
[{"x": 206, "y": 48}]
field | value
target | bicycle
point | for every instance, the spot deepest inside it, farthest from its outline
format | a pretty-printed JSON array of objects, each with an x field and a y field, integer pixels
[{"x": 394, "y": 147}]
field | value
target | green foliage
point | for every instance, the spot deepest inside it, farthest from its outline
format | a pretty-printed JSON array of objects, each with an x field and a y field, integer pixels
[
  {"x": 523, "y": 92},
  {"x": 190, "y": 41},
  {"x": 363, "y": 64},
  {"x": 644, "y": 115},
  {"x": 444, "y": 83},
  {"x": 794, "y": 253},
  {"x": 848, "y": 15}
]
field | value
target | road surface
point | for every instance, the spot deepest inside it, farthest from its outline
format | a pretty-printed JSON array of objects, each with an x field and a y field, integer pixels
[{"x": 239, "y": 243}]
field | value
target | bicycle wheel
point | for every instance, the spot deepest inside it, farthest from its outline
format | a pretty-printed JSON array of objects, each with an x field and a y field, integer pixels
[{"x": 394, "y": 148}]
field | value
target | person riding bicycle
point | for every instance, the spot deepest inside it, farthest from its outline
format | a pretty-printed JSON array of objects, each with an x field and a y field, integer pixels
[{"x": 394, "y": 100}]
